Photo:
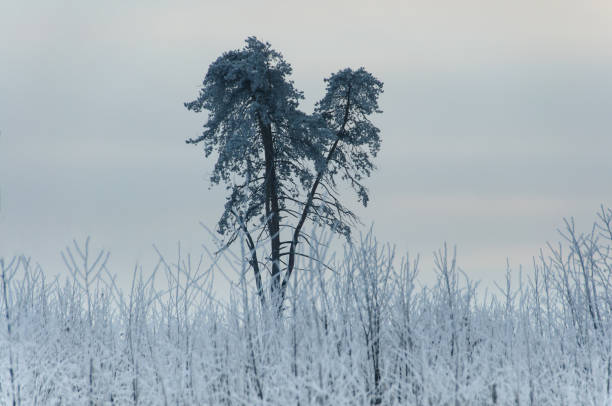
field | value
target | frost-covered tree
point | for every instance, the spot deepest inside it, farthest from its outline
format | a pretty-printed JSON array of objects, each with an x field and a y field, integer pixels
[{"x": 280, "y": 165}]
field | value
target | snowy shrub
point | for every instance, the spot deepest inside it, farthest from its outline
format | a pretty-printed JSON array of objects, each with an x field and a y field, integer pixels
[{"x": 354, "y": 330}]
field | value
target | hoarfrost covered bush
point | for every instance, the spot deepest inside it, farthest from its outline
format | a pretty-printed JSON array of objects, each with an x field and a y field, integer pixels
[{"x": 354, "y": 331}]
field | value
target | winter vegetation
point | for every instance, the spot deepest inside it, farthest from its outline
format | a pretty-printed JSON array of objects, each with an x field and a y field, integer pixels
[
  {"x": 278, "y": 163},
  {"x": 300, "y": 324},
  {"x": 355, "y": 329}
]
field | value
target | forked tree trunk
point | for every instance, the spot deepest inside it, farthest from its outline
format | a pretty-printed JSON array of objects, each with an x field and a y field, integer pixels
[{"x": 311, "y": 195}]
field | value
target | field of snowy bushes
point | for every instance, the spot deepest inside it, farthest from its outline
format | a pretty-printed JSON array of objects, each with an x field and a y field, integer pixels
[{"x": 356, "y": 329}]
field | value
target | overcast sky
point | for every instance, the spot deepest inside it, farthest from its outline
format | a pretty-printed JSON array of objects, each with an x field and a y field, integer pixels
[{"x": 496, "y": 124}]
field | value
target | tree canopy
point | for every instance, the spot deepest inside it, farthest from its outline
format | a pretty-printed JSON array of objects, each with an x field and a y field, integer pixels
[{"x": 282, "y": 166}]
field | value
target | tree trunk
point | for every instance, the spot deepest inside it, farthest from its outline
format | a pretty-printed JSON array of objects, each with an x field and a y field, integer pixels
[
  {"x": 272, "y": 209},
  {"x": 308, "y": 205}
]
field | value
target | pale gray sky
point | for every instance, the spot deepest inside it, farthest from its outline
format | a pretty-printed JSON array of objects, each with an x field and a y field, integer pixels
[{"x": 496, "y": 124}]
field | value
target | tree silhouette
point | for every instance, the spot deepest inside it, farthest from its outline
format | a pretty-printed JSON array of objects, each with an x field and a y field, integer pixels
[{"x": 278, "y": 163}]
